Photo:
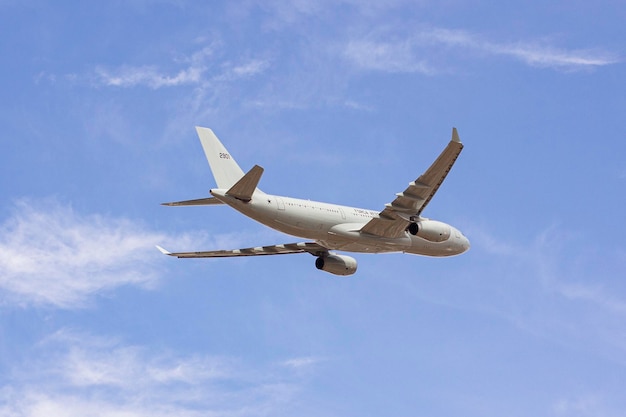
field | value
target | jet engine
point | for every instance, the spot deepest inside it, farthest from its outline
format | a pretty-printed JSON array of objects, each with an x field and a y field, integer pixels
[
  {"x": 430, "y": 230},
  {"x": 336, "y": 264}
]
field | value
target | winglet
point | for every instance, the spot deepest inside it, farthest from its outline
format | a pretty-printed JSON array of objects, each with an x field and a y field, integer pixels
[
  {"x": 455, "y": 135},
  {"x": 163, "y": 251},
  {"x": 245, "y": 187}
]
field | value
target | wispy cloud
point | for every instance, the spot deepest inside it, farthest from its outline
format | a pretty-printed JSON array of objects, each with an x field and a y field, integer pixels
[
  {"x": 77, "y": 374},
  {"x": 301, "y": 363},
  {"x": 419, "y": 52},
  {"x": 89, "y": 361},
  {"x": 549, "y": 287},
  {"x": 148, "y": 76},
  {"x": 386, "y": 56},
  {"x": 593, "y": 294},
  {"x": 553, "y": 286},
  {"x": 251, "y": 68},
  {"x": 534, "y": 53},
  {"x": 583, "y": 406},
  {"x": 52, "y": 255},
  {"x": 199, "y": 69}
]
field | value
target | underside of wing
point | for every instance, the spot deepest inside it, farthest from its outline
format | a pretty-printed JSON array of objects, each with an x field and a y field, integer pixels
[
  {"x": 409, "y": 204},
  {"x": 302, "y": 247}
]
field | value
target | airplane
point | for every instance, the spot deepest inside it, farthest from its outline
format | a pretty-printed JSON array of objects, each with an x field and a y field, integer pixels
[{"x": 399, "y": 227}]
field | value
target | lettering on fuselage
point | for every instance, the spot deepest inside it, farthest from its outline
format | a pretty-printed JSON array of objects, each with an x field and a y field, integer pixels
[
  {"x": 224, "y": 155},
  {"x": 367, "y": 213}
]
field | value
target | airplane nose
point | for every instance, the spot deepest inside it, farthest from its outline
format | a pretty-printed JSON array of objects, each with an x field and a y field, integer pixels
[
  {"x": 465, "y": 243},
  {"x": 461, "y": 244}
]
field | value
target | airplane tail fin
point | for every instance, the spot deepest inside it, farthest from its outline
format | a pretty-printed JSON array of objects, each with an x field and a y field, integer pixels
[{"x": 223, "y": 165}]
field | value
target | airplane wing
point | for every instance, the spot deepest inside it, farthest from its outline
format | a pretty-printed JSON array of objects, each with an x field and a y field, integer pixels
[
  {"x": 408, "y": 205},
  {"x": 302, "y": 247}
]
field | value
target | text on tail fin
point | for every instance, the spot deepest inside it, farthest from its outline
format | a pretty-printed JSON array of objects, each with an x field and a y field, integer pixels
[{"x": 225, "y": 169}]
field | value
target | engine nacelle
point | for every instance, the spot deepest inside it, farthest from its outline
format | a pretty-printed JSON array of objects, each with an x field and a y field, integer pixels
[
  {"x": 336, "y": 264},
  {"x": 431, "y": 230}
]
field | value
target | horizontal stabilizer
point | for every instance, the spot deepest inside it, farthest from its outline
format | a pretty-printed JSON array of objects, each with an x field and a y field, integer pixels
[
  {"x": 209, "y": 201},
  {"x": 245, "y": 187}
]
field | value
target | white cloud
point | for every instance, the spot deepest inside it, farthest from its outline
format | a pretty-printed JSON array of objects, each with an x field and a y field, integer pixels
[
  {"x": 250, "y": 68},
  {"x": 302, "y": 362},
  {"x": 89, "y": 361},
  {"x": 539, "y": 54},
  {"x": 549, "y": 56},
  {"x": 77, "y": 374},
  {"x": 200, "y": 70},
  {"x": 154, "y": 77},
  {"x": 418, "y": 52},
  {"x": 148, "y": 76},
  {"x": 52, "y": 255}
]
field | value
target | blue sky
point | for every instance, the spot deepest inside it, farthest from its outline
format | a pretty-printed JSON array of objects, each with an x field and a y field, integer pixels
[{"x": 339, "y": 101}]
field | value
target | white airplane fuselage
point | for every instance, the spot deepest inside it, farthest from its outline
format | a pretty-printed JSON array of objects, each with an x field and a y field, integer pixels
[{"x": 338, "y": 227}]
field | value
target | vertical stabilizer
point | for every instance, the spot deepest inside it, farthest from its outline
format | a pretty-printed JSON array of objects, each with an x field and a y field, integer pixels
[{"x": 223, "y": 165}]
